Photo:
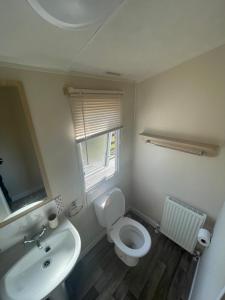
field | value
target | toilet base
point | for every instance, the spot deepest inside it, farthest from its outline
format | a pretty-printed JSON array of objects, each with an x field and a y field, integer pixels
[
  {"x": 128, "y": 260},
  {"x": 109, "y": 239}
]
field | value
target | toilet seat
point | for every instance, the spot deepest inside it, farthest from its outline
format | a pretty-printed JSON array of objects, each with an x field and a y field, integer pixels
[{"x": 128, "y": 224}]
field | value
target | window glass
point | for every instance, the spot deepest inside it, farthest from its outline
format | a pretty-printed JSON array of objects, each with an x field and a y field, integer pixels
[{"x": 99, "y": 158}]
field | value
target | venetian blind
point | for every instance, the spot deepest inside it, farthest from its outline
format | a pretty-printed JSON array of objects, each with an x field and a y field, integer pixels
[{"x": 95, "y": 113}]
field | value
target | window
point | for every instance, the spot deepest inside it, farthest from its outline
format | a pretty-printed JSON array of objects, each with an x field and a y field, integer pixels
[
  {"x": 97, "y": 122},
  {"x": 100, "y": 158}
]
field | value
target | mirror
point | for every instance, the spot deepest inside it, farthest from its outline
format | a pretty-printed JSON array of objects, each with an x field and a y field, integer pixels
[{"x": 22, "y": 185}]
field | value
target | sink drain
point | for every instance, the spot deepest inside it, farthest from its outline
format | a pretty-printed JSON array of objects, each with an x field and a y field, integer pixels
[
  {"x": 46, "y": 263},
  {"x": 47, "y": 249}
]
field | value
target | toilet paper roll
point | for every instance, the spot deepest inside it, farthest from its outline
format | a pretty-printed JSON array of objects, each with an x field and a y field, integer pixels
[{"x": 204, "y": 237}]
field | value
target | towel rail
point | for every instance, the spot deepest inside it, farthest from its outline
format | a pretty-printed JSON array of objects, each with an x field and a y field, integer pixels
[{"x": 181, "y": 144}]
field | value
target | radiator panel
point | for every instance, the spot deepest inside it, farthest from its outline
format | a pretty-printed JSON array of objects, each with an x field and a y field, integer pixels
[{"x": 181, "y": 223}]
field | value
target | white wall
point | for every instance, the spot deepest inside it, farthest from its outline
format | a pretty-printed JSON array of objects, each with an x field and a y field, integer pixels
[
  {"x": 53, "y": 125},
  {"x": 211, "y": 274},
  {"x": 189, "y": 102}
]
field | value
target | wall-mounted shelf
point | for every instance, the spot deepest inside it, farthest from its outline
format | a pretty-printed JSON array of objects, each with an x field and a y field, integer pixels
[{"x": 181, "y": 145}]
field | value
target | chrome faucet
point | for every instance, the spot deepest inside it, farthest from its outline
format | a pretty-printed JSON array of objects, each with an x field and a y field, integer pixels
[{"x": 36, "y": 238}]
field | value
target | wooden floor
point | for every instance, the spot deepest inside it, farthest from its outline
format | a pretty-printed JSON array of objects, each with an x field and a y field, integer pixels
[{"x": 166, "y": 272}]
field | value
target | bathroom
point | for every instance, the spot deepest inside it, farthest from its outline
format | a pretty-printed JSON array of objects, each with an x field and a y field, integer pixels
[{"x": 160, "y": 65}]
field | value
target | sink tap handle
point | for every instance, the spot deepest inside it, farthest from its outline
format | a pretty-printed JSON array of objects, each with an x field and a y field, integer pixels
[
  {"x": 26, "y": 241},
  {"x": 36, "y": 238},
  {"x": 44, "y": 228}
]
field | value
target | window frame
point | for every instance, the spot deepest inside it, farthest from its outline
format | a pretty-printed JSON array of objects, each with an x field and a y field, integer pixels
[{"x": 105, "y": 179}]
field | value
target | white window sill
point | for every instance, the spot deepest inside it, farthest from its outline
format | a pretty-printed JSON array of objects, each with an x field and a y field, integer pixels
[
  {"x": 101, "y": 187},
  {"x": 99, "y": 175}
]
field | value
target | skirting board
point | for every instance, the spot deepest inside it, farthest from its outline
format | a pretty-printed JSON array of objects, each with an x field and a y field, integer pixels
[
  {"x": 146, "y": 218},
  {"x": 27, "y": 193},
  {"x": 194, "y": 279},
  {"x": 92, "y": 244}
]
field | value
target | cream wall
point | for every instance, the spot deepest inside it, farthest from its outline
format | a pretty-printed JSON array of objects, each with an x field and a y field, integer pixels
[
  {"x": 53, "y": 126},
  {"x": 189, "y": 102},
  {"x": 211, "y": 276}
]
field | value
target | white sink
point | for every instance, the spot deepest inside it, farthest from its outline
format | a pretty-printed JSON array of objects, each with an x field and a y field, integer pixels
[{"x": 40, "y": 271}]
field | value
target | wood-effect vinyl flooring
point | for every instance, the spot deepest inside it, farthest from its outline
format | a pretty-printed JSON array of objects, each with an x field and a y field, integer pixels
[{"x": 165, "y": 273}]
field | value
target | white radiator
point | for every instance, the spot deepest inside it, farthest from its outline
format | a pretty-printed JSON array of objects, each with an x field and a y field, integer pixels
[{"x": 181, "y": 223}]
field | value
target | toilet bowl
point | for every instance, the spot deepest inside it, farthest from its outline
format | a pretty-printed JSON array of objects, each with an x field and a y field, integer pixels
[{"x": 131, "y": 239}]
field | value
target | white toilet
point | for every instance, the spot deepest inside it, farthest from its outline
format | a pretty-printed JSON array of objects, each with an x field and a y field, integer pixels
[{"x": 131, "y": 239}]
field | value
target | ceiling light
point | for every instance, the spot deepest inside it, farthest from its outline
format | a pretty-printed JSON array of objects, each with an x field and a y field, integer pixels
[{"x": 72, "y": 14}]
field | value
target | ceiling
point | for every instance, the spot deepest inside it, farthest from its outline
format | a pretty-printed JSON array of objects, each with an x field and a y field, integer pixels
[{"x": 143, "y": 37}]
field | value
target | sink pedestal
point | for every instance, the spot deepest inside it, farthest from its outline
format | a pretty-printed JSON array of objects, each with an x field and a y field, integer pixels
[{"x": 60, "y": 293}]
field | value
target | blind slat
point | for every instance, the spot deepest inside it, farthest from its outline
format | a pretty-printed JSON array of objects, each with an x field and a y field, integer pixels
[{"x": 95, "y": 114}]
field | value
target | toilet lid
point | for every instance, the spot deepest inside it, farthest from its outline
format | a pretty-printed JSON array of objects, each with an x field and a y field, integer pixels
[{"x": 114, "y": 207}]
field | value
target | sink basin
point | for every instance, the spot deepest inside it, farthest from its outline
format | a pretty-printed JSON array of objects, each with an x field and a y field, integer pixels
[{"x": 40, "y": 271}]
